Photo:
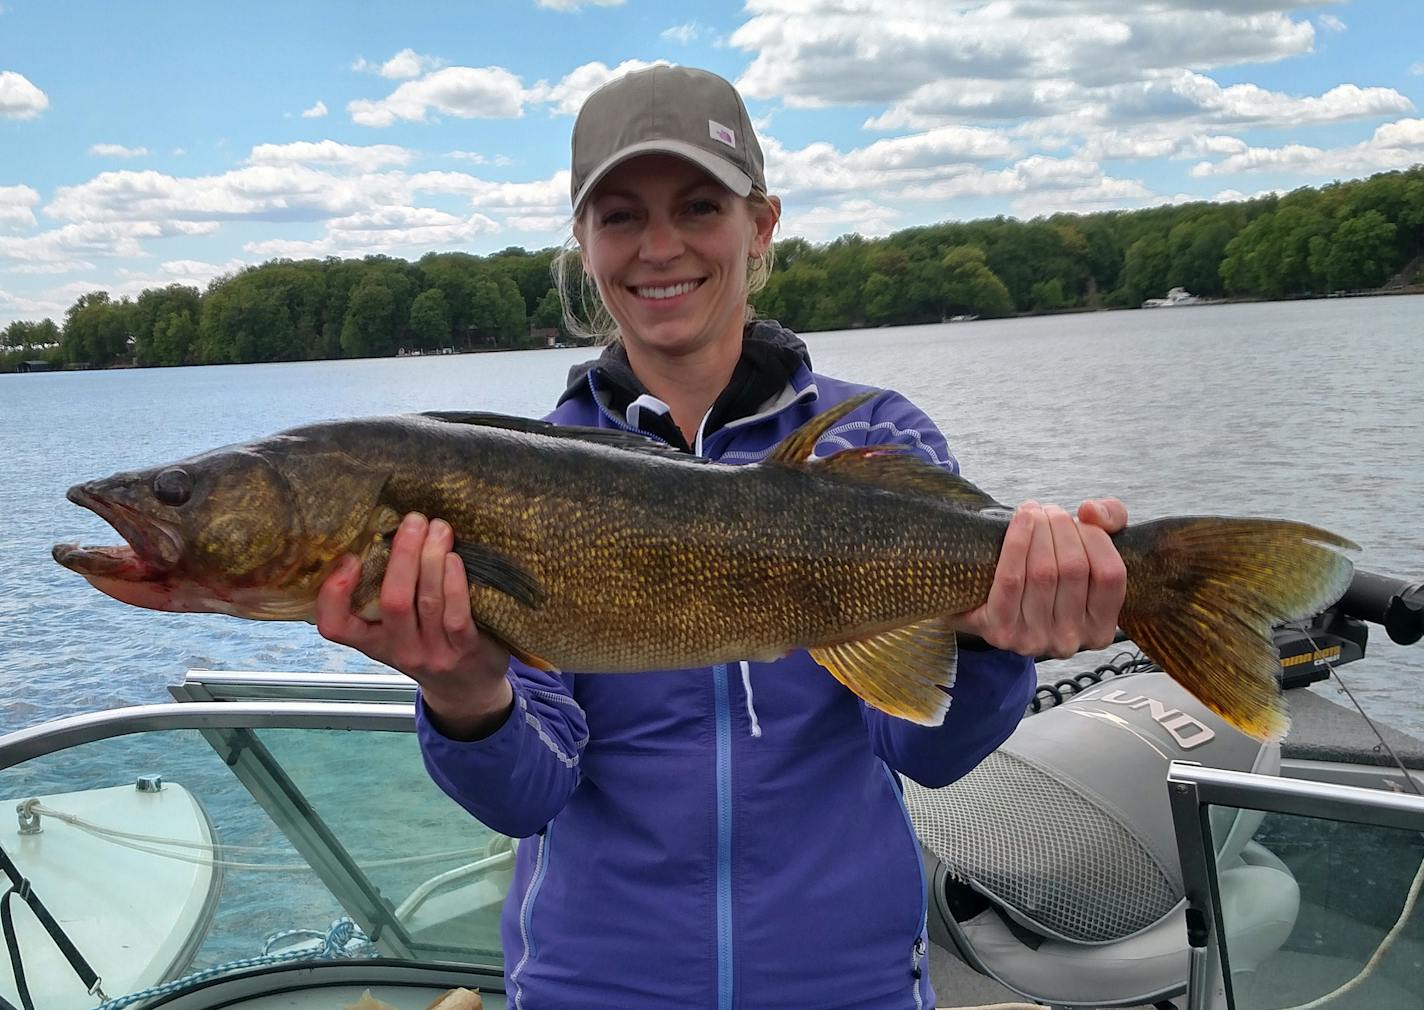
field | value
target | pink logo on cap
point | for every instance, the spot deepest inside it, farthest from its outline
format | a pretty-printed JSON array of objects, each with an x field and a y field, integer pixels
[{"x": 717, "y": 131}]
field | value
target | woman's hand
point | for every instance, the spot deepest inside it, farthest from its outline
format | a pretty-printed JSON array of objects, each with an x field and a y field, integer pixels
[
  {"x": 425, "y": 630},
  {"x": 1059, "y": 583}
]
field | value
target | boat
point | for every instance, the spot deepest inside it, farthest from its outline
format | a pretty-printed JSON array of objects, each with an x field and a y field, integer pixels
[
  {"x": 1175, "y": 298},
  {"x": 272, "y": 839}
]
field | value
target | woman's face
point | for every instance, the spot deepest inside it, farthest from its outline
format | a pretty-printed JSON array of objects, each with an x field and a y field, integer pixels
[{"x": 668, "y": 247}]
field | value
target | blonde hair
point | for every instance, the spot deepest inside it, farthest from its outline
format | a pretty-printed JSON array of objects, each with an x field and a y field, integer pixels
[{"x": 586, "y": 316}]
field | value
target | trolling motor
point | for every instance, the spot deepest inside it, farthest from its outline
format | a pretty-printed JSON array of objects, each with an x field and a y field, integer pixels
[
  {"x": 1053, "y": 864},
  {"x": 1338, "y": 635}
]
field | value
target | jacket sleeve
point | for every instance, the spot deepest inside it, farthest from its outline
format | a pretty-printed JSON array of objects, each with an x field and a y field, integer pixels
[
  {"x": 992, "y": 688},
  {"x": 516, "y": 779}
]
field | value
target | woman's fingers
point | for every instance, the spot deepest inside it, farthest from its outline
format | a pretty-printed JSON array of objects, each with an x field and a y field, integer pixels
[
  {"x": 1040, "y": 586},
  {"x": 459, "y": 624},
  {"x": 430, "y": 588},
  {"x": 1002, "y": 609},
  {"x": 1070, "y": 598},
  {"x": 1108, "y": 586},
  {"x": 334, "y": 619}
]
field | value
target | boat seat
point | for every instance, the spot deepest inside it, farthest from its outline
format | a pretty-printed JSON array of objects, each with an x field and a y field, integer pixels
[{"x": 1054, "y": 862}]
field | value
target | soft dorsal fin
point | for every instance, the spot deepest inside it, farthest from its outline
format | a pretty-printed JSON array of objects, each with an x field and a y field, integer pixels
[
  {"x": 905, "y": 672},
  {"x": 613, "y": 437},
  {"x": 895, "y": 468},
  {"x": 797, "y": 448}
]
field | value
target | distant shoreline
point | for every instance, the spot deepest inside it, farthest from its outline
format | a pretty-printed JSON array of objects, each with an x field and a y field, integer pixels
[{"x": 1413, "y": 289}]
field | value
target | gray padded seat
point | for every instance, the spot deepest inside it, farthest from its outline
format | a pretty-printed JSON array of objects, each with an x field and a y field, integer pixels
[{"x": 1054, "y": 865}]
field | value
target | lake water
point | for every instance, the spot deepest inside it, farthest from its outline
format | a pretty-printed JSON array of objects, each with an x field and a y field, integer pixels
[{"x": 1309, "y": 410}]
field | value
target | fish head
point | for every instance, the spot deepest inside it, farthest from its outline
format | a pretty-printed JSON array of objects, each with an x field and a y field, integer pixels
[{"x": 250, "y": 530}]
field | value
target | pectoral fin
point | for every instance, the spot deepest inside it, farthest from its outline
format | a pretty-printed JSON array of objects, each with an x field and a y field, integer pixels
[
  {"x": 488, "y": 567},
  {"x": 904, "y": 672}
]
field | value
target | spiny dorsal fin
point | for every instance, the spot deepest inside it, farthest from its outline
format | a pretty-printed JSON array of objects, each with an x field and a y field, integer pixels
[
  {"x": 904, "y": 672},
  {"x": 895, "y": 468},
  {"x": 616, "y": 438},
  {"x": 796, "y": 449}
]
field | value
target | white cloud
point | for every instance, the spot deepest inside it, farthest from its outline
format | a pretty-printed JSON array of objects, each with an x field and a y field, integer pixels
[
  {"x": 814, "y": 52},
  {"x": 62, "y": 249},
  {"x": 1417, "y": 69},
  {"x": 1330, "y": 23},
  {"x": 316, "y": 111},
  {"x": 196, "y": 272},
  {"x": 683, "y": 34},
  {"x": 365, "y": 158},
  {"x": 16, "y": 203},
  {"x": 544, "y": 197},
  {"x": 465, "y": 92},
  {"x": 475, "y": 158},
  {"x": 568, "y": 95},
  {"x": 826, "y": 221},
  {"x": 19, "y": 99},
  {"x": 1392, "y": 146},
  {"x": 574, "y": 5},
  {"x": 267, "y": 192},
  {"x": 407, "y": 64},
  {"x": 117, "y": 151},
  {"x": 14, "y": 306},
  {"x": 538, "y": 224},
  {"x": 384, "y": 230}
]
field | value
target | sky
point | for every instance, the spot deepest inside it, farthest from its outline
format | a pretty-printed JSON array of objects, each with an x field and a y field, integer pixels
[{"x": 147, "y": 143}]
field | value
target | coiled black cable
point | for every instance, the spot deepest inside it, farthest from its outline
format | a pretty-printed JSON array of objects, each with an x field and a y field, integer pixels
[{"x": 1050, "y": 694}]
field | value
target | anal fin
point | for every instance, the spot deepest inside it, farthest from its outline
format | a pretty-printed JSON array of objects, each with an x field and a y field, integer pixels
[{"x": 904, "y": 672}]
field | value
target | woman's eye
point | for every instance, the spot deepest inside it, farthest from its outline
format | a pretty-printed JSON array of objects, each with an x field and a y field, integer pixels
[
  {"x": 613, "y": 217},
  {"x": 703, "y": 207}
]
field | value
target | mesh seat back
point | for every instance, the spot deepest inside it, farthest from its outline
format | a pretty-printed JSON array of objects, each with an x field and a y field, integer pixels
[{"x": 1067, "y": 827}]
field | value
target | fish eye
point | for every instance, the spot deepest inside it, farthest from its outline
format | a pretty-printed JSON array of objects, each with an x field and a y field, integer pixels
[{"x": 173, "y": 486}]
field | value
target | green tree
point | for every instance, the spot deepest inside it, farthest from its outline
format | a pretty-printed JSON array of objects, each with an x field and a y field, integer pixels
[
  {"x": 430, "y": 320},
  {"x": 549, "y": 313},
  {"x": 1361, "y": 253},
  {"x": 96, "y": 330},
  {"x": 369, "y": 328},
  {"x": 970, "y": 285},
  {"x": 1145, "y": 268}
]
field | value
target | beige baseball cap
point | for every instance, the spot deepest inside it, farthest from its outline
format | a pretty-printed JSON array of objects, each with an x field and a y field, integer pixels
[{"x": 689, "y": 113}]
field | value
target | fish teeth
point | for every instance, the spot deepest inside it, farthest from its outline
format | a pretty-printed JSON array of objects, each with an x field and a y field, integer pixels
[{"x": 669, "y": 292}]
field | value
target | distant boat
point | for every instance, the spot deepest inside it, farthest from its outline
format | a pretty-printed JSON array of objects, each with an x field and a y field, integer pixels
[
  {"x": 968, "y": 318},
  {"x": 1175, "y": 297}
]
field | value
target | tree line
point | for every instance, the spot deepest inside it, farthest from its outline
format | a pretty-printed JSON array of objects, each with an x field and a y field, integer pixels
[{"x": 1346, "y": 236}]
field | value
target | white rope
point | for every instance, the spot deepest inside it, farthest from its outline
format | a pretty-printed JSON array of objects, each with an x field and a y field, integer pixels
[
  {"x": 1409, "y": 902},
  {"x": 136, "y": 841}
]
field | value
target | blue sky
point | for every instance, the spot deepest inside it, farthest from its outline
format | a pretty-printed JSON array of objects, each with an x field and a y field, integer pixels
[{"x": 147, "y": 143}]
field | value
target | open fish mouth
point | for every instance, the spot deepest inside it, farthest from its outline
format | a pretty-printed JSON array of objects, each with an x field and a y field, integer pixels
[{"x": 151, "y": 550}]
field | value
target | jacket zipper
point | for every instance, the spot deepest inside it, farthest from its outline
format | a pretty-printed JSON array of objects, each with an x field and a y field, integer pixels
[
  {"x": 724, "y": 837},
  {"x": 920, "y": 947},
  {"x": 526, "y": 912}
]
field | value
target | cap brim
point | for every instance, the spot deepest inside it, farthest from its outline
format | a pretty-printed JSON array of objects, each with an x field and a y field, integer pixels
[{"x": 720, "y": 169}]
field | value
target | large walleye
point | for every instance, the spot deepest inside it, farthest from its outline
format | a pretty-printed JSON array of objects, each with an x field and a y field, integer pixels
[{"x": 595, "y": 550}]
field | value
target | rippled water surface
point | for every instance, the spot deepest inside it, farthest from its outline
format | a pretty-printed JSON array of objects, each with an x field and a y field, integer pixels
[{"x": 1310, "y": 410}]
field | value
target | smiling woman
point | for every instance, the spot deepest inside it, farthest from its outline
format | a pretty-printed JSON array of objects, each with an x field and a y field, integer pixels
[{"x": 658, "y": 803}]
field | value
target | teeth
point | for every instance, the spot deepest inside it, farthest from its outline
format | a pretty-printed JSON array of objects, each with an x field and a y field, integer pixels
[{"x": 672, "y": 292}]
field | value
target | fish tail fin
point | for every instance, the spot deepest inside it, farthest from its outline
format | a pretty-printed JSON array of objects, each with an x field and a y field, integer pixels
[
  {"x": 1203, "y": 594},
  {"x": 905, "y": 672}
]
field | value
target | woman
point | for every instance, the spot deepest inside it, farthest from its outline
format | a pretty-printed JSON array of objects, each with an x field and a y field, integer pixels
[{"x": 692, "y": 842}]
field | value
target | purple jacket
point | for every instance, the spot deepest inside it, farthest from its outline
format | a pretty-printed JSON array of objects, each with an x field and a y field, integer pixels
[{"x": 731, "y": 837}]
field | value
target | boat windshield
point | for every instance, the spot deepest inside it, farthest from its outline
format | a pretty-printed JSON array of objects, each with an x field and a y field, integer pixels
[
  {"x": 221, "y": 841},
  {"x": 1315, "y": 901}
]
